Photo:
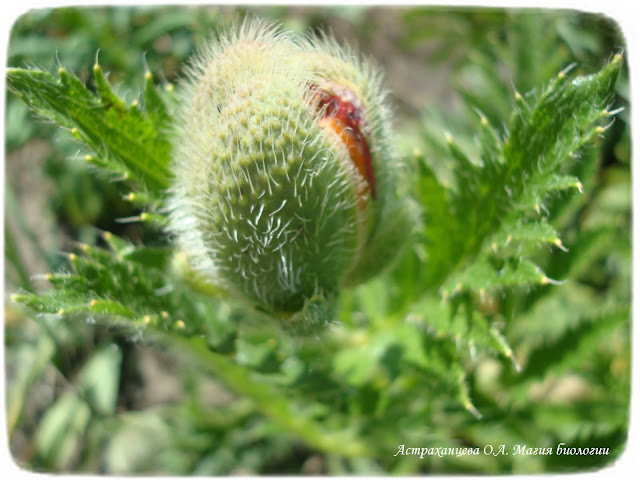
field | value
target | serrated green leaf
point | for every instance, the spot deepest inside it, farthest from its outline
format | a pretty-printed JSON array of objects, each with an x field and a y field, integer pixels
[
  {"x": 112, "y": 130},
  {"x": 437, "y": 236},
  {"x": 563, "y": 182},
  {"x": 109, "y": 307},
  {"x": 574, "y": 345},
  {"x": 491, "y": 197},
  {"x": 133, "y": 283},
  {"x": 526, "y": 238},
  {"x": 482, "y": 275},
  {"x": 42, "y": 303},
  {"x": 155, "y": 105},
  {"x": 469, "y": 329},
  {"x": 545, "y": 138}
]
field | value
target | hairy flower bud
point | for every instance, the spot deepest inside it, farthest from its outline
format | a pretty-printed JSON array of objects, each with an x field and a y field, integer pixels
[{"x": 286, "y": 185}]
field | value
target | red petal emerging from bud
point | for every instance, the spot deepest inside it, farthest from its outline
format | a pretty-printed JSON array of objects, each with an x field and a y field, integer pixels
[{"x": 343, "y": 115}]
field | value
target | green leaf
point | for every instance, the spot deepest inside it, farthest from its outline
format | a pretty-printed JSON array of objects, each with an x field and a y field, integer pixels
[
  {"x": 124, "y": 139},
  {"x": 139, "y": 438},
  {"x": 59, "y": 435},
  {"x": 282, "y": 410},
  {"x": 510, "y": 185},
  {"x": 129, "y": 285},
  {"x": 527, "y": 237},
  {"x": 31, "y": 361},
  {"x": 155, "y": 105},
  {"x": 100, "y": 378},
  {"x": 570, "y": 349}
]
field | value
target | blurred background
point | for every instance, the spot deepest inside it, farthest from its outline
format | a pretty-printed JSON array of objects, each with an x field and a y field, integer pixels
[{"x": 158, "y": 414}]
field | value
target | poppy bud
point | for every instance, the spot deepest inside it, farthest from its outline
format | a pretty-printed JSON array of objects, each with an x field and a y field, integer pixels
[{"x": 286, "y": 185}]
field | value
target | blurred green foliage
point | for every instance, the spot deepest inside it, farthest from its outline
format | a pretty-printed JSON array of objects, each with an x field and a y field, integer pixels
[{"x": 507, "y": 323}]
